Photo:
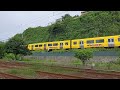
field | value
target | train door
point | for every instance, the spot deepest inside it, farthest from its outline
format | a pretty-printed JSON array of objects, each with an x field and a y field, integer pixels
[
  {"x": 111, "y": 42},
  {"x": 44, "y": 46},
  {"x": 32, "y": 47},
  {"x": 61, "y": 45},
  {"x": 81, "y": 44}
]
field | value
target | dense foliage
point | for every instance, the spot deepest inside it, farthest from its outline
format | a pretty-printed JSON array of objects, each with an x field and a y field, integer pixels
[
  {"x": 91, "y": 24},
  {"x": 17, "y": 47},
  {"x": 2, "y": 51}
]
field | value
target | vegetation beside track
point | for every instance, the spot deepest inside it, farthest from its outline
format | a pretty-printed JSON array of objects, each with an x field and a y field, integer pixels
[{"x": 45, "y": 65}]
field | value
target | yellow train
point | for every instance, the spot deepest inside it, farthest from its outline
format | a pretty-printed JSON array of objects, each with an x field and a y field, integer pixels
[{"x": 107, "y": 41}]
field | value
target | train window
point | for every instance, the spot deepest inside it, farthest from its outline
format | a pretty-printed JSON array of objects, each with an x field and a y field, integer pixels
[
  {"x": 90, "y": 41},
  {"x": 66, "y": 43},
  {"x": 81, "y": 42},
  {"x": 55, "y": 44},
  {"x": 108, "y": 40},
  {"x": 61, "y": 44},
  {"x": 40, "y": 45},
  {"x": 74, "y": 43},
  {"x": 36, "y": 45},
  {"x": 49, "y": 44},
  {"x": 119, "y": 39},
  {"x": 112, "y": 40},
  {"x": 100, "y": 41}
]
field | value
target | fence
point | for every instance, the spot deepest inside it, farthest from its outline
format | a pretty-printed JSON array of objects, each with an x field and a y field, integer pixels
[
  {"x": 98, "y": 53},
  {"x": 102, "y": 56},
  {"x": 70, "y": 58}
]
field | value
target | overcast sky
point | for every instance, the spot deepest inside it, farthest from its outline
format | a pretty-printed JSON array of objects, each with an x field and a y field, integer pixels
[{"x": 13, "y": 22}]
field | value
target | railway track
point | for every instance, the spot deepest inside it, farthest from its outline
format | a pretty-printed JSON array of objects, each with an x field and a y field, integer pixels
[
  {"x": 48, "y": 75},
  {"x": 92, "y": 73},
  {"x": 88, "y": 70},
  {"x": 9, "y": 76},
  {"x": 12, "y": 64},
  {"x": 98, "y": 75}
]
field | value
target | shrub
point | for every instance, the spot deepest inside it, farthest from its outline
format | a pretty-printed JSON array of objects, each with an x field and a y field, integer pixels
[
  {"x": 84, "y": 55},
  {"x": 10, "y": 56}
]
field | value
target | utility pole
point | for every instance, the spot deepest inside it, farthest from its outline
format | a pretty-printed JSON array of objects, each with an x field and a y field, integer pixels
[
  {"x": 22, "y": 33},
  {"x": 53, "y": 13}
]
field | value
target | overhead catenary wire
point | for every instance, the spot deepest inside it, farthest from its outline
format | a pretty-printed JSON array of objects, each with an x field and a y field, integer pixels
[
  {"x": 41, "y": 18},
  {"x": 44, "y": 19}
]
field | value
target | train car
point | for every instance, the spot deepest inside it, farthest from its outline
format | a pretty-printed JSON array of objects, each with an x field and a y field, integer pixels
[
  {"x": 107, "y": 41},
  {"x": 50, "y": 45},
  {"x": 90, "y": 42}
]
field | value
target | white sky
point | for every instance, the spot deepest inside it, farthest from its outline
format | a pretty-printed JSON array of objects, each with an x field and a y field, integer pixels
[{"x": 13, "y": 22}]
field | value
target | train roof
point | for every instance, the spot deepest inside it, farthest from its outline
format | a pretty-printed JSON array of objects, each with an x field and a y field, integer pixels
[{"x": 72, "y": 39}]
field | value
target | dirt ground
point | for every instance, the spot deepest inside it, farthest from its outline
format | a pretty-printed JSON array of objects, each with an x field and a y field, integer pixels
[{"x": 5, "y": 65}]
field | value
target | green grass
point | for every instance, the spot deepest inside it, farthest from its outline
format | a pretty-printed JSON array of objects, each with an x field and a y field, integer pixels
[
  {"x": 76, "y": 63},
  {"x": 107, "y": 65},
  {"x": 28, "y": 61},
  {"x": 25, "y": 73}
]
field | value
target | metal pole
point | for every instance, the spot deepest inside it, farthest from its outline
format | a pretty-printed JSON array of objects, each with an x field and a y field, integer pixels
[
  {"x": 53, "y": 13},
  {"x": 22, "y": 33}
]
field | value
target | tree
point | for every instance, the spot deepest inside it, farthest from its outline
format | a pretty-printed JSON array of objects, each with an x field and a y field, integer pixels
[
  {"x": 16, "y": 46},
  {"x": 66, "y": 16},
  {"x": 84, "y": 55},
  {"x": 2, "y": 51}
]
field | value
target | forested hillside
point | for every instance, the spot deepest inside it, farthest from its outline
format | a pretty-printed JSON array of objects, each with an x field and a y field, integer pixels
[{"x": 91, "y": 24}]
